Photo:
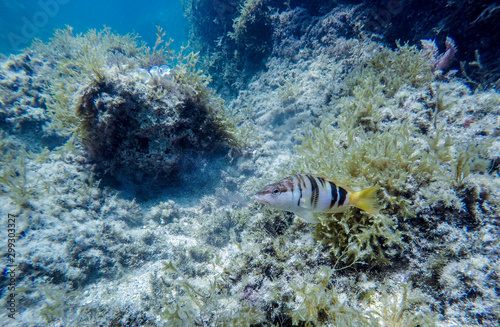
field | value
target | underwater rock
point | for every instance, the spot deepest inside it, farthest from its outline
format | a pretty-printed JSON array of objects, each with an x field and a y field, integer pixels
[{"x": 148, "y": 130}]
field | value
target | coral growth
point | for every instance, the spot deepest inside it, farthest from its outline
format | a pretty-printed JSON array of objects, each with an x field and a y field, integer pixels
[{"x": 439, "y": 62}]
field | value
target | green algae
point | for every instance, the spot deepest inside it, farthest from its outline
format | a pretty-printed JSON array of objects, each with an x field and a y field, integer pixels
[
  {"x": 365, "y": 144},
  {"x": 130, "y": 109}
]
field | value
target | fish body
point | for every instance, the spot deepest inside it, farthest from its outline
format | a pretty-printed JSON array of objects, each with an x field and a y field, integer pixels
[{"x": 304, "y": 194}]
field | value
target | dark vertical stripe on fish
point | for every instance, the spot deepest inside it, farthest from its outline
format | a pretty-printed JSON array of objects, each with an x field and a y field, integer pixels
[
  {"x": 342, "y": 196},
  {"x": 300, "y": 190},
  {"x": 333, "y": 188},
  {"x": 322, "y": 181},
  {"x": 314, "y": 191}
]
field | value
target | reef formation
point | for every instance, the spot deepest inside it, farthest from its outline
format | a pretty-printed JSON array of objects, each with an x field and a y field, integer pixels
[{"x": 88, "y": 119}]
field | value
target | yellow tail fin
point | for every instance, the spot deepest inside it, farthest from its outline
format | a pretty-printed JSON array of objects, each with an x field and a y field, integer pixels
[{"x": 366, "y": 200}]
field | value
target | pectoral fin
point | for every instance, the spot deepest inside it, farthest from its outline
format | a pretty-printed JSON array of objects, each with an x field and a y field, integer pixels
[
  {"x": 307, "y": 216},
  {"x": 304, "y": 203}
]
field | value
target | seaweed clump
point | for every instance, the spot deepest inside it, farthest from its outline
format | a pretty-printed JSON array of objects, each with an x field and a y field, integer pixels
[
  {"x": 318, "y": 303},
  {"x": 381, "y": 133},
  {"x": 127, "y": 128},
  {"x": 142, "y": 114}
]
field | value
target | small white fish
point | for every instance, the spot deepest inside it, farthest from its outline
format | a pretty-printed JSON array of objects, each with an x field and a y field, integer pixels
[{"x": 304, "y": 194}]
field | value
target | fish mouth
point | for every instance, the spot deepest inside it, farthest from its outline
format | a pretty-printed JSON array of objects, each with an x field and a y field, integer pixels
[{"x": 259, "y": 197}]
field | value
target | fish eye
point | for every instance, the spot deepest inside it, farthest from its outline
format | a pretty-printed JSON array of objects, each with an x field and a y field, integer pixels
[{"x": 276, "y": 191}]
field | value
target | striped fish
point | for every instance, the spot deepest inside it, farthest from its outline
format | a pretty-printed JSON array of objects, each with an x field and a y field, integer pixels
[{"x": 304, "y": 194}]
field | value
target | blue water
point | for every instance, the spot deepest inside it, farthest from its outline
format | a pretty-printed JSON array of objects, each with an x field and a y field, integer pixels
[{"x": 23, "y": 20}]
